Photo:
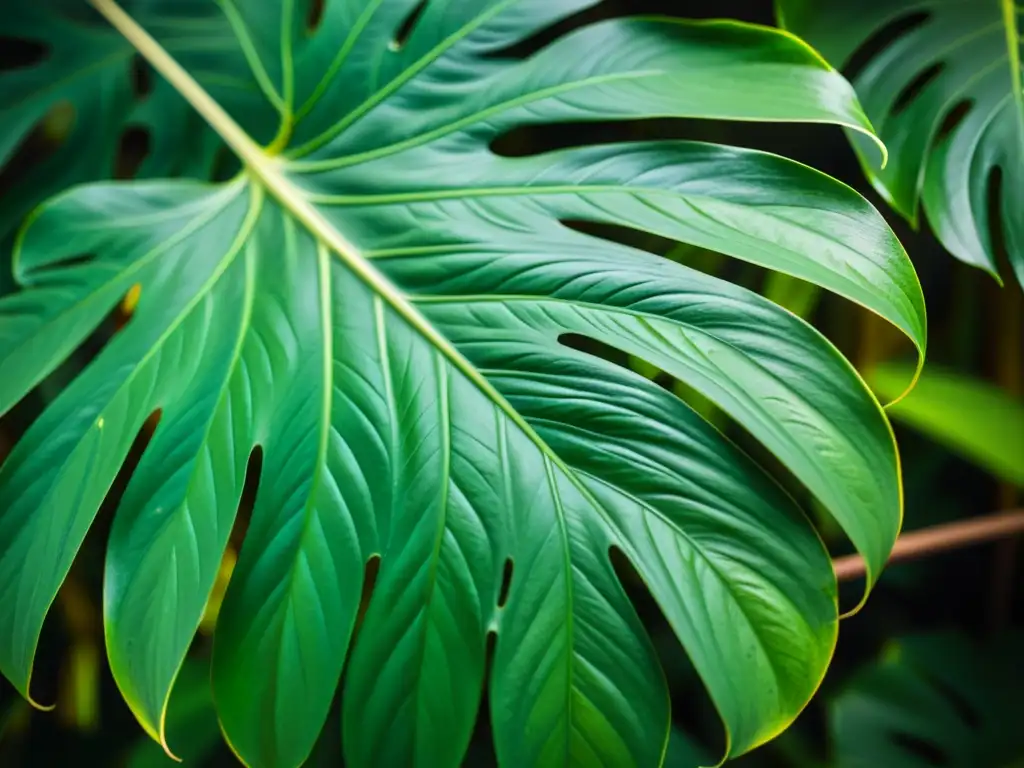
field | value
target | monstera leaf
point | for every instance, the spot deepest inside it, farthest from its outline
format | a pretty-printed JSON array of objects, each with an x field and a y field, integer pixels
[
  {"x": 380, "y": 303},
  {"x": 945, "y": 94},
  {"x": 934, "y": 700},
  {"x": 76, "y": 75}
]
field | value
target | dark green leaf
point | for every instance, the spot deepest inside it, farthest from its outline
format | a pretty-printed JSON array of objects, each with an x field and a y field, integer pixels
[
  {"x": 934, "y": 700},
  {"x": 946, "y": 97},
  {"x": 377, "y": 302},
  {"x": 71, "y": 102}
]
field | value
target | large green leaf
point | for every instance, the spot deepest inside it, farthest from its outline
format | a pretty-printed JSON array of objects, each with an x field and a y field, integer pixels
[
  {"x": 977, "y": 420},
  {"x": 378, "y": 302},
  {"x": 934, "y": 700},
  {"x": 946, "y": 97}
]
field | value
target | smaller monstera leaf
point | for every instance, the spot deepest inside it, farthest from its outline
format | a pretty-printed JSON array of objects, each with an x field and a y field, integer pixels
[
  {"x": 82, "y": 86},
  {"x": 934, "y": 700},
  {"x": 379, "y": 302},
  {"x": 946, "y": 96}
]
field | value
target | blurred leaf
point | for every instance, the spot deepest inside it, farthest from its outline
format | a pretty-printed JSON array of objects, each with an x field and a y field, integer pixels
[
  {"x": 693, "y": 256},
  {"x": 798, "y": 296},
  {"x": 68, "y": 112},
  {"x": 684, "y": 752},
  {"x": 976, "y": 420},
  {"x": 945, "y": 95},
  {"x": 220, "y": 588},
  {"x": 79, "y": 698},
  {"x": 934, "y": 700},
  {"x": 192, "y": 729}
]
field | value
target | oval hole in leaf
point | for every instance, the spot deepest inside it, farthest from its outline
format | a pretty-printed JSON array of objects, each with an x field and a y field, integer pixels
[
  {"x": 920, "y": 748},
  {"x": 692, "y": 709},
  {"x": 16, "y": 53},
  {"x": 538, "y": 138},
  {"x": 594, "y": 347},
  {"x": 225, "y": 164},
  {"x": 526, "y": 47},
  {"x": 247, "y": 501},
  {"x": 243, "y": 515},
  {"x": 315, "y": 15},
  {"x": 370, "y": 571},
  {"x": 963, "y": 707},
  {"x": 69, "y": 262},
  {"x": 692, "y": 256},
  {"x": 952, "y": 120},
  {"x": 142, "y": 77},
  {"x": 881, "y": 40},
  {"x": 506, "y": 582},
  {"x": 915, "y": 87},
  {"x": 405, "y": 29},
  {"x": 38, "y": 146},
  {"x": 997, "y": 233},
  {"x": 100, "y": 530},
  {"x": 133, "y": 148}
]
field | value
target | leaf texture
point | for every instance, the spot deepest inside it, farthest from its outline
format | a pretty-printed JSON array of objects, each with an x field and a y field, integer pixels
[{"x": 379, "y": 302}]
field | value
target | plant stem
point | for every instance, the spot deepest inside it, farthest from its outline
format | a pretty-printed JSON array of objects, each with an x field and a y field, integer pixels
[{"x": 939, "y": 538}]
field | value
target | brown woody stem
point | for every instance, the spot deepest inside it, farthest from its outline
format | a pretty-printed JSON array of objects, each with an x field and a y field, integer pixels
[{"x": 939, "y": 538}]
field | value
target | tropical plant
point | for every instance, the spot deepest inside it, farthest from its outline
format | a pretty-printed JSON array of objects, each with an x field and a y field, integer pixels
[
  {"x": 942, "y": 85},
  {"x": 382, "y": 305},
  {"x": 981, "y": 422},
  {"x": 933, "y": 700}
]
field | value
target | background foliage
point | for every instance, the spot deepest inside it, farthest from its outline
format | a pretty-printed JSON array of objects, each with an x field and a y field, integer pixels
[{"x": 975, "y": 332}]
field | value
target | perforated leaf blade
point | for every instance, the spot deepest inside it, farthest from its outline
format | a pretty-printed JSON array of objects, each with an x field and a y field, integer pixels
[
  {"x": 945, "y": 94},
  {"x": 378, "y": 304}
]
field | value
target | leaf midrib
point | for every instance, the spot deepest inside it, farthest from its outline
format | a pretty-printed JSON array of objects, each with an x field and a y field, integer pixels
[
  {"x": 267, "y": 171},
  {"x": 1013, "y": 43}
]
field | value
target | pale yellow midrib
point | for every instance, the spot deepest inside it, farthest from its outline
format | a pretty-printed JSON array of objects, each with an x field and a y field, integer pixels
[
  {"x": 1013, "y": 41},
  {"x": 268, "y": 171}
]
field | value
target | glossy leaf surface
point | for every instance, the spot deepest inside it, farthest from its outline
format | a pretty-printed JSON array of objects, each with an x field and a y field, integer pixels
[
  {"x": 933, "y": 700},
  {"x": 943, "y": 88},
  {"x": 378, "y": 303}
]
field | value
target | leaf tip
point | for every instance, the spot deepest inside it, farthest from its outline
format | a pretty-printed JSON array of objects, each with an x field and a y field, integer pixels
[{"x": 36, "y": 705}]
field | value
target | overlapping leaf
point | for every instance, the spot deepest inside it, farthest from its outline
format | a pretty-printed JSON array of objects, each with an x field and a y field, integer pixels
[
  {"x": 378, "y": 302},
  {"x": 945, "y": 94}
]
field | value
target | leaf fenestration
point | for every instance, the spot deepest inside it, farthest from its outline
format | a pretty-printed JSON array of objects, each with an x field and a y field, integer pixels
[{"x": 376, "y": 301}]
